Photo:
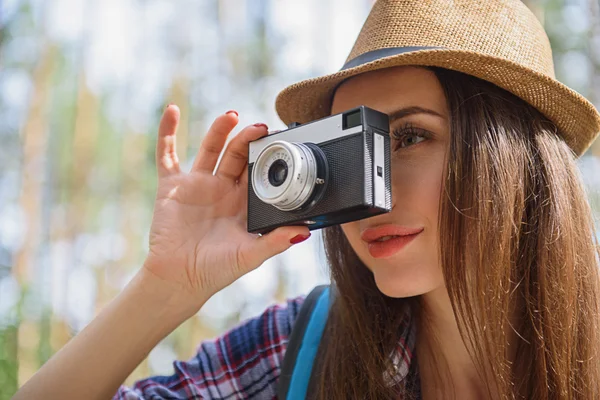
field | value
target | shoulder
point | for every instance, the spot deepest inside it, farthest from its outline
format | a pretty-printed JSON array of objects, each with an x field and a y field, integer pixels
[
  {"x": 250, "y": 342},
  {"x": 245, "y": 362}
]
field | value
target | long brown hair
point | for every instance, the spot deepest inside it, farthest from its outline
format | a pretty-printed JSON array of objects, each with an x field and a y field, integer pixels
[{"x": 519, "y": 259}]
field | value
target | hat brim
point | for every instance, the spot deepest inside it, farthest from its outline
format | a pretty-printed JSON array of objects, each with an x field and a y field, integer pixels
[{"x": 575, "y": 116}]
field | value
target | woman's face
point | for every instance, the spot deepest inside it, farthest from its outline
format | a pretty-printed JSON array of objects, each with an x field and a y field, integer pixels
[{"x": 401, "y": 247}]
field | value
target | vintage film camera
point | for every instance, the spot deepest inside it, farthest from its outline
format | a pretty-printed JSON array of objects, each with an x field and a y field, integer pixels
[{"x": 326, "y": 172}]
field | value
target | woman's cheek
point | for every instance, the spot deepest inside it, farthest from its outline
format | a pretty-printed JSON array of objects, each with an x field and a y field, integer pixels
[{"x": 416, "y": 190}]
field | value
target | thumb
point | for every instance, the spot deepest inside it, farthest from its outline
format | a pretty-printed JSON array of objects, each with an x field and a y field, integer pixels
[{"x": 275, "y": 242}]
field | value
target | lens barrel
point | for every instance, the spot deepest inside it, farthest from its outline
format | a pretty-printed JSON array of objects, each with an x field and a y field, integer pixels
[{"x": 286, "y": 174}]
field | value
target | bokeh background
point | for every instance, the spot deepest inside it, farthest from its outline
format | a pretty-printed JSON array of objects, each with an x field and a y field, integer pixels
[{"x": 82, "y": 86}]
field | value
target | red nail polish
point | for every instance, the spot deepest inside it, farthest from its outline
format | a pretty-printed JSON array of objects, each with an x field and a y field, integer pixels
[
  {"x": 233, "y": 112},
  {"x": 261, "y": 125},
  {"x": 299, "y": 238}
]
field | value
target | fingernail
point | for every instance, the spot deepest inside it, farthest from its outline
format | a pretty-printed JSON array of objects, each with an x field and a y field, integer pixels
[
  {"x": 233, "y": 112},
  {"x": 261, "y": 125},
  {"x": 299, "y": 238}
]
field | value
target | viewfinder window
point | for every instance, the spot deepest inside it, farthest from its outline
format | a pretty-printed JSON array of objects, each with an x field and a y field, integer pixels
[{"x": 352, "y": 119}]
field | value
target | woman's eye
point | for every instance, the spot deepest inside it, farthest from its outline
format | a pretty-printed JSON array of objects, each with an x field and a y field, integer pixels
[
  {"x": 409, "y": 136},
  {"x": 410, "y": 139}
]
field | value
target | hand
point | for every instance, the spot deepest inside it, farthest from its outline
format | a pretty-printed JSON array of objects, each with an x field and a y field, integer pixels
[{"x": 198, "y": 240}]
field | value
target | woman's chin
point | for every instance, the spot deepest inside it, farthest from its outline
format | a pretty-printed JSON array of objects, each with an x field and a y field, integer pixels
[{"x": 400, "y": 285}]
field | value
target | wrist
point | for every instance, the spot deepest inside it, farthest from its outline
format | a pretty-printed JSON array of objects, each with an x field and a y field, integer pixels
[{"x": 167, "y": 298}]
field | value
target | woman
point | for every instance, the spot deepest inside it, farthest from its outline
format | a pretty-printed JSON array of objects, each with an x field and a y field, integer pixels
[{"x": 485, "y": 270}]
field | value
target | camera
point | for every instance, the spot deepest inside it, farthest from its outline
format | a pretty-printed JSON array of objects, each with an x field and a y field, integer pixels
[{"x": 326, "y": 172}]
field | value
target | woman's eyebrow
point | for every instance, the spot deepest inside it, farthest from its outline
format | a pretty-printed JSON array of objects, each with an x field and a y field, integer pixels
[{"x": 403, "y": 112}]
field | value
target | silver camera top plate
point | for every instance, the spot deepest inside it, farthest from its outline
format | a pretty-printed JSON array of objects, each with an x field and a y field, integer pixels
[{"x": 320, "y": 131}]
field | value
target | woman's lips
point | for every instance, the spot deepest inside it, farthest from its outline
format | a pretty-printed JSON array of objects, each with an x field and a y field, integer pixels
[{"x": 394, "y": 239}]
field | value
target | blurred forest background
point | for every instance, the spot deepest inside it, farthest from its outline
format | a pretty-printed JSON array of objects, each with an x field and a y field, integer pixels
[{"x": 82, "y": 86}]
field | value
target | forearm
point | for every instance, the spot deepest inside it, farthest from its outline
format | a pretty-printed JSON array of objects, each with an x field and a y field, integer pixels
[{"x": 96, "y": 362}]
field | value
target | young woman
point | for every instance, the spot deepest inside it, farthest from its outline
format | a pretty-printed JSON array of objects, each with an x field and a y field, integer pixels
[{"x": 482, "y": 282}]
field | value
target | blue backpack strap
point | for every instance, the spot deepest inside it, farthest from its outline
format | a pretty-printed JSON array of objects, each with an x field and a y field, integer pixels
[{"x": 303, "y": 345}]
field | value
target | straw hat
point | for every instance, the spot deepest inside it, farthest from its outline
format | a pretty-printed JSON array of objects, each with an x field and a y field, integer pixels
[{"x": 499, "y": 41}]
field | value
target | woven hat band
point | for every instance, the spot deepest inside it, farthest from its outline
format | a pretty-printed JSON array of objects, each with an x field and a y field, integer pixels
[{"x": 382, "y": 53}]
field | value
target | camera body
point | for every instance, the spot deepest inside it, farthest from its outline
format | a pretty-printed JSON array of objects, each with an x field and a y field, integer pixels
[{"x": 327, "y": 172}]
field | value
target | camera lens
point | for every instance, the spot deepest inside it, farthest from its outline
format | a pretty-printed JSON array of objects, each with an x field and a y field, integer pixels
[
  {"x": 278, "y": 172},
  {"x": 285, "y": 174}
]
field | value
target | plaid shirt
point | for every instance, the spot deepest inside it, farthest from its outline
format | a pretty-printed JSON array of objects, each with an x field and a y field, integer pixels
[{"x": 244, "y": 363}]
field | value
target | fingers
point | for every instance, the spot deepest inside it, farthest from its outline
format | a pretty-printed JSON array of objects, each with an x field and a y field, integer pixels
[
  {"x": 167, "y": 162},
  {"x": 235, "y": 158},
  {"x": 213, "y": 142},
  {"x": 275, "y": 242}
]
